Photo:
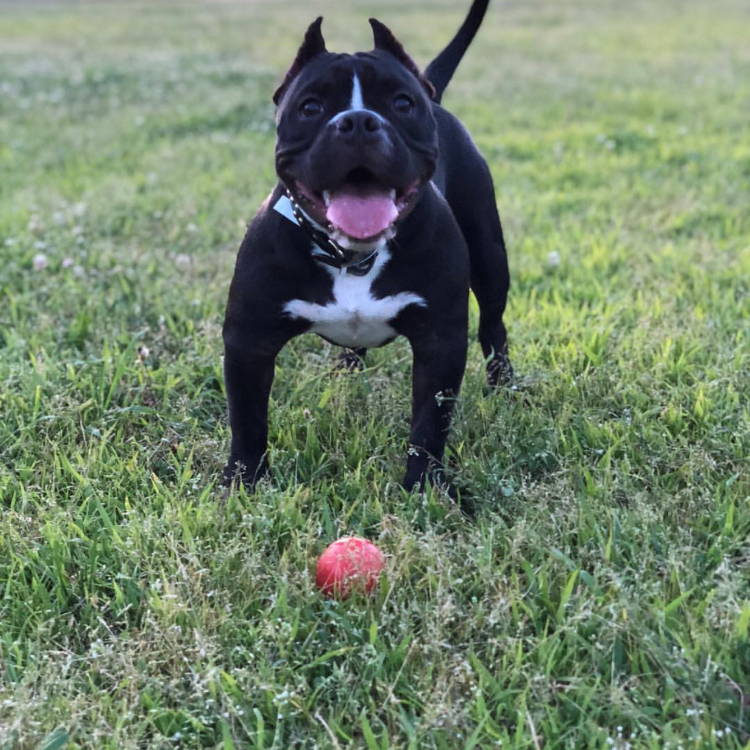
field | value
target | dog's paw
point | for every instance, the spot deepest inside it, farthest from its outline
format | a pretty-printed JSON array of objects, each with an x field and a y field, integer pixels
[
  {"x": 500, "y": 371},
  {"x": 239, "y": 472},
  {"x": 351, "y": 360},
  {"x": 418, "y": 482}
]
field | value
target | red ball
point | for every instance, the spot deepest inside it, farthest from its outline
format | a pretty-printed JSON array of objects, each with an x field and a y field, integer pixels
[{"x": 349, "y": 564}]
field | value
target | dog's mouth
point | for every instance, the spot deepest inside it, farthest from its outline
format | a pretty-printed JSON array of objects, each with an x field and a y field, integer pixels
[{"x": 362, "y": 208}]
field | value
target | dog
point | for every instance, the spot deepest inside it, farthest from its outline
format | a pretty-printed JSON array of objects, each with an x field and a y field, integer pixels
[{"x": 383, "y": 218}]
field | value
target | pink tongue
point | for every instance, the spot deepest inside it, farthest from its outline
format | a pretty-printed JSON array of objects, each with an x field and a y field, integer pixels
[{"x": 362, "y": 216}]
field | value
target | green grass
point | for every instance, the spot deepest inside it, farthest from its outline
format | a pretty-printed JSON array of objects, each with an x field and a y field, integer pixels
[{"x": 601, "y": 595}]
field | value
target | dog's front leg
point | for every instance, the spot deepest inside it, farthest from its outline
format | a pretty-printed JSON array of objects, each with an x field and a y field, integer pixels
[
  {"x": 248, "y": 375},
  {"x": 436, "y": 380}
]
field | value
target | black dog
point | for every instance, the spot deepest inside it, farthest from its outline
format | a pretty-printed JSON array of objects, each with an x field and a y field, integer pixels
[{"x": 383, "y": 217}]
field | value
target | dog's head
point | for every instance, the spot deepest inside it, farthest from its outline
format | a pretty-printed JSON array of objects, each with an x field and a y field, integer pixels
[{"x": 356, "y": 137}]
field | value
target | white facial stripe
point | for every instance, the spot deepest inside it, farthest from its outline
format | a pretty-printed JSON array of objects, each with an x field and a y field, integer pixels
[{"x": 356, "y": 104}]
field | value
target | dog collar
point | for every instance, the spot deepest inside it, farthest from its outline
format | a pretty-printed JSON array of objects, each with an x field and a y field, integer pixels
[{"x": 332, "y": 254}]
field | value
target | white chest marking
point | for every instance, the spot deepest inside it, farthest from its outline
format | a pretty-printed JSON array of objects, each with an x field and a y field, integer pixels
[{"x": 355, "y": 318}]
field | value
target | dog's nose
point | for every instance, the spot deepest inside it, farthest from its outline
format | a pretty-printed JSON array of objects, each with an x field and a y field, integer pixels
[{"x": 357, "y": 124}]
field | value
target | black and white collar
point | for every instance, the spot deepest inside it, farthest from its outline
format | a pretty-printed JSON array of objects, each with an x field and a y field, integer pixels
[{"x": 326, "y": 249}]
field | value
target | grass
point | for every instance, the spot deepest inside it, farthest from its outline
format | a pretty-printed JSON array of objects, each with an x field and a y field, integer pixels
[{"x": 599, "y": 598}]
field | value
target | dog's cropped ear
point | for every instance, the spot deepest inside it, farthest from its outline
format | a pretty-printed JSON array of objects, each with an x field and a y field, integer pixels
[
  {"x": 384, "y": 40},
  {"x": 312, "y": 46}
]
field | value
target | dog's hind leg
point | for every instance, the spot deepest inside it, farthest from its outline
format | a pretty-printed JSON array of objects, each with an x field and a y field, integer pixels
[
  {"x": 490, "y": 282},
  {"x": 475, "y": 210}
]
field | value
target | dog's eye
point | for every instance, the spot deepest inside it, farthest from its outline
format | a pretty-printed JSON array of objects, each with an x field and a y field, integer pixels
[
  {"x": 403, "y": 103},
  {"x": 311, "y": 107}
]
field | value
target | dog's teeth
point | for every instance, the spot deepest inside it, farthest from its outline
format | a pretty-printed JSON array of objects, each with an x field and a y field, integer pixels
[
  {"x": 393, "y": 195},
  {"x": 327, "y": 197}
]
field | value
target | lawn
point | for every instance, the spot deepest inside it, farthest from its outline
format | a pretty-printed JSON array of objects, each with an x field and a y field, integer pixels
[{"x": 598, "y": 593}]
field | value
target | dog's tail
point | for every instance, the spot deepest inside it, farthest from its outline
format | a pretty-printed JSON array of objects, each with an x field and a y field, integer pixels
[{"x": 440, "y": 71}]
